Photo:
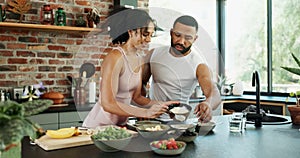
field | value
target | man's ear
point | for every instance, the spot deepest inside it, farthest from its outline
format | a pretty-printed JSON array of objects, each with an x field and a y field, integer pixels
[
  {"x": 196, "y": 38},
  {"x": 171, "y": 32}
]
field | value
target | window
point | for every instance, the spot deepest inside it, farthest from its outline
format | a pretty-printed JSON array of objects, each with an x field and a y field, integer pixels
[
  {"x": 257, "y": 35},
  {"x": 285, "y": 40},
  {"x": 246, "y": 43}
]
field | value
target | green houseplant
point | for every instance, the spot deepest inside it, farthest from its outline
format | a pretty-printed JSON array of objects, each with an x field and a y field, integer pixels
[
  {"x": 15, "y": 124},
  {"x": 294, "y": 70},
  {"x": 294, "y": 110}
]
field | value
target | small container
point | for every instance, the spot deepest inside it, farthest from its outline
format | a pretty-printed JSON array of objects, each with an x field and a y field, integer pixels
[
  {"x": 92, "y": 92},
  {"x": 236, "y": 123},
  {"x": 198, "y": 92},
  {"x": 80, "y": 96},
  {"x": 2, "y": 98}
]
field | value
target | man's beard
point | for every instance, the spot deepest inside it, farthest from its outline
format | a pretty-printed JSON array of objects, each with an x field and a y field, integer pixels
[{"x": 180, "y": 52}]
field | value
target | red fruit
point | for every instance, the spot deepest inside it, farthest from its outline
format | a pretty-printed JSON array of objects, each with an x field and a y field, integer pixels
[
  {"x": 170, "y": 145},
  {"x": 175, "y": 147},
  {"x": 172, "y": 139}
]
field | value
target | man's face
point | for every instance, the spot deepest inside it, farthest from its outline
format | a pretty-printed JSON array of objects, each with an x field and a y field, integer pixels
[{"x": 182, "y": 38}]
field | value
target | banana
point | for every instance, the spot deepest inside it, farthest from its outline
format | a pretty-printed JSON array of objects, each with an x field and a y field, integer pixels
[{"x": 62, "y": 133}]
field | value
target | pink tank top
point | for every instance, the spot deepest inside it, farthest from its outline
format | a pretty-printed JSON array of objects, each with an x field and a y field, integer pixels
[{"x": 128, "y": 82}]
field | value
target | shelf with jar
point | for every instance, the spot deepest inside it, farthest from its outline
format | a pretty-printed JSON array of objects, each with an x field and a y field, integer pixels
[
  {"x": 51, "y": 20},
  {"x": 70, "y": 29}
]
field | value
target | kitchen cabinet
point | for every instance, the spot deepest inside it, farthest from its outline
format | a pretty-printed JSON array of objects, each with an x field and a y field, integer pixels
[
  {"x": 46, "y": 121},
  {"x": 68, "y": 119},
  {"x": 59, "y": 119},
  {"x": 268, "y": 107}
]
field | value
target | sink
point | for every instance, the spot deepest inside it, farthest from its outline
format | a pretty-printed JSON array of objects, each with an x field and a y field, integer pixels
[{"x": 271, "y": 119}]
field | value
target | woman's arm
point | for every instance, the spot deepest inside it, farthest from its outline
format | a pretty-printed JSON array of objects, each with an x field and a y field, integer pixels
[
  {"x": 111, "y": 69},
  {"x": 139, "y": 99}
]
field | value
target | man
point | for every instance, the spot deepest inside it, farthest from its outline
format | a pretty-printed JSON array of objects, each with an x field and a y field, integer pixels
[{"x": 177, "y": 70}]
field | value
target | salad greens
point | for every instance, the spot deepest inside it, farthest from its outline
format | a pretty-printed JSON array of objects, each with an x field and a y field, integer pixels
[{"x": 111, "y": 133}]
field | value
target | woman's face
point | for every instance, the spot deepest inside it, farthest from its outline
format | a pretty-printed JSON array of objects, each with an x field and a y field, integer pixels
[{"x": 141, "y": 37}]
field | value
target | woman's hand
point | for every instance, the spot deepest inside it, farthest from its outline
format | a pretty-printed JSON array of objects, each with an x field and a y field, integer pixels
[{"x": 159, "y": 108}]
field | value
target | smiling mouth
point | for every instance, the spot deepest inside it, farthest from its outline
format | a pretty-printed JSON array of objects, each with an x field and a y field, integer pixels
[{"x": 178, "y": 47}]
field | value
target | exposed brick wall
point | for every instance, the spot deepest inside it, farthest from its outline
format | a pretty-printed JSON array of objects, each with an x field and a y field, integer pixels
[{"x": 32, "y": 56}]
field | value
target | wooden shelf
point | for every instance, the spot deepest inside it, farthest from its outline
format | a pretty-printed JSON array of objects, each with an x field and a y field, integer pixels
[{"x": 69, "y": 29}]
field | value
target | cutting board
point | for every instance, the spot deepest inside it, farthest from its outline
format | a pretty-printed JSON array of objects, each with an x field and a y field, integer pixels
[{"x": 48, "y": 143}]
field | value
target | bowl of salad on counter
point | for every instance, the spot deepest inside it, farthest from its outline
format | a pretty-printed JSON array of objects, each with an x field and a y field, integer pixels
[
  {"x": 111, "y": 138},
  {"x": 168, "y": 146}
]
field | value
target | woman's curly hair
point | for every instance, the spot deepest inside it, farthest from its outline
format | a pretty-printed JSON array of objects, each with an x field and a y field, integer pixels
[{"x": 121, "y": 20}]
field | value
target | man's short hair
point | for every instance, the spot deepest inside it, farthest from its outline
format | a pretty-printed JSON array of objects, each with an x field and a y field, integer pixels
[{"x": 187, "y": 20}]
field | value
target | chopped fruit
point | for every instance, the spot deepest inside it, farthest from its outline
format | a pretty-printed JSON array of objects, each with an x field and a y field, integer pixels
[
  {"x": 169, "y": 144},
  {"x": 62, "y": 133}
]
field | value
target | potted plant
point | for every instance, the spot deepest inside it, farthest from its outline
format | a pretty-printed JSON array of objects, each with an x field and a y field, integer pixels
[
  {"x": 15, "y": 125},
  {"x": 223, "y": 86},
  {"x": 294, "y": 110}
]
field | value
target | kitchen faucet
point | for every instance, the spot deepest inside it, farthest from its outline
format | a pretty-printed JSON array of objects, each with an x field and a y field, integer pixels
[{"x": 257, "y": 117}]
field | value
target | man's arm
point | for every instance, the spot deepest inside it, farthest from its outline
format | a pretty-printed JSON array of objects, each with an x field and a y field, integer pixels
[
  {"x": 146, "y": 72},
  {"x": 211, "y": 92}
]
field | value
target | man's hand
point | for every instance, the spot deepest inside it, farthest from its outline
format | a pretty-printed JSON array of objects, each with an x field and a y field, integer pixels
[{"x": 203, "y": 111}]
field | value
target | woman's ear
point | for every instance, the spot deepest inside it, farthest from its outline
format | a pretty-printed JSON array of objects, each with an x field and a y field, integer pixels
[{"x": 130, "y": 33}]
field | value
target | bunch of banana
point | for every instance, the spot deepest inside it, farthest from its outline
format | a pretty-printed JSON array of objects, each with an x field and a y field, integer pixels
[{"x": 63, "y": 133}]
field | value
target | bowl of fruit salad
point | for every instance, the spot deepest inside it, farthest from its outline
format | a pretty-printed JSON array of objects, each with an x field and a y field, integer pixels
[{"x": 168, "y": 146}]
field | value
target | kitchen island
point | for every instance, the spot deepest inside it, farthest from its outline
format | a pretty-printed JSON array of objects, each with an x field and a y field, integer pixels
[{"x": 269, "y": 141}]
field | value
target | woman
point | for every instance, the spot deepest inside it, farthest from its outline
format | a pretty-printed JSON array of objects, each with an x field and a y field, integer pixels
[{"x": 120, "y": 85}]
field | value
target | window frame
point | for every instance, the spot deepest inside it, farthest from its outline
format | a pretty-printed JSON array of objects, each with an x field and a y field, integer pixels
[{"x": 221, "y": 33}]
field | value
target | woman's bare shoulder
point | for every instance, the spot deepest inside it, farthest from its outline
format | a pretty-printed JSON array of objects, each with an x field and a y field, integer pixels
[{"x": 113, "y": 55}]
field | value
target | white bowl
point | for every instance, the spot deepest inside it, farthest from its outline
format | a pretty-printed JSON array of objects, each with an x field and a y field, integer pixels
[
  {"x": 112, "y": 145},
  {"x": 205, "y": 127},
  {"x": 181, "y": 115},
  {"x": 187, "y": 136},
  {"x": 169, "y": 151},
  {"x": 147, "y": 122},
  {"x": 142, "y": 129},
  {"x": 184, "y": 127},
  {"x": 111, "y": 138}
]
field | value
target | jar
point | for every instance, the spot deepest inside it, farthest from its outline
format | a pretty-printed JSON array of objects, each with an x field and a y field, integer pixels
[{"x": 80, "y": 96}]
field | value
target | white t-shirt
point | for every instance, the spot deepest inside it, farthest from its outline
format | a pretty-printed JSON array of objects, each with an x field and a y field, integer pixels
[{"x": 173, "y": 78}]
